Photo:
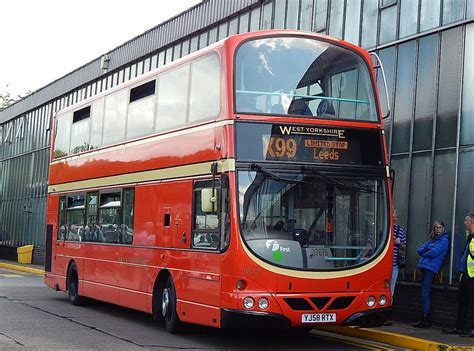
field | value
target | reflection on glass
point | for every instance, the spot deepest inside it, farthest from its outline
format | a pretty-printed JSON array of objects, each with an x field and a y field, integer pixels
[
  {"x": 309, "y": 222},
  {"x": 324, "y": 80}
]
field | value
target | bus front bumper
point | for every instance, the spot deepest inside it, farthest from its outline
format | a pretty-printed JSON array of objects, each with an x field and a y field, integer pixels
[
  {"x": 233, "y": 319},
  {"x": 370, "y": 318}
]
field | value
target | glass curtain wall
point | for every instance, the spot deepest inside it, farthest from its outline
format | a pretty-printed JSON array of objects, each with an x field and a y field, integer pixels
[{"x": 429, "y": 131}]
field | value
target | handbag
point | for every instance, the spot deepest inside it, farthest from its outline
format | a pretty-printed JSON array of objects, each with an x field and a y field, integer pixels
[{"x": 402, "y": 258}]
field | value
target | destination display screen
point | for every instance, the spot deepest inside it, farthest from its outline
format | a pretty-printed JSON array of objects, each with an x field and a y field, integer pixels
[{"x": 310, "y": 144}]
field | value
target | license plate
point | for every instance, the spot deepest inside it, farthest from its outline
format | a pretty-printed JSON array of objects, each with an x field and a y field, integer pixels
[{"x": 318, "y": 318}]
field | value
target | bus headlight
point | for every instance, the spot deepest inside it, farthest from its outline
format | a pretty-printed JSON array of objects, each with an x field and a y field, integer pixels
[
  {"x": 382, "y": 300},
  {"x": 263, "y": 303},
  {"x": 371, "y": 301},
  {"x": 248, "y": 302}
]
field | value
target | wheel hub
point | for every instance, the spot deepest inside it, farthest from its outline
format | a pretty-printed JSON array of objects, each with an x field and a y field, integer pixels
[{"x": 165, "y": 302}]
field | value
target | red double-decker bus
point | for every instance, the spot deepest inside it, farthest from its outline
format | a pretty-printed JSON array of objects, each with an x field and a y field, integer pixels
[{"x": 245, "y": 184}]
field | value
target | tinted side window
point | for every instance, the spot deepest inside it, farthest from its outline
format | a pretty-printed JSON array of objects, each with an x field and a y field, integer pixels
[
  {"x": 141, "y": 110},
  {"x": 62, "y": 228},
  {"x": 110, "y": 217},
  {"x": 204, "y": 100},
  {"x": 172, "y": 98},
  {"x": 128, "y": 210},
  {"x": 75, "y": 214},
  {"x": 206, "y": 228},
  {"x": 115, "y": 117},
  {"x": 63, "y": 135}
]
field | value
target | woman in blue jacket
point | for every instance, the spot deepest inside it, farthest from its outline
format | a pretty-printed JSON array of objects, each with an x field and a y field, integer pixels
[{"x": 432, "y": 254}]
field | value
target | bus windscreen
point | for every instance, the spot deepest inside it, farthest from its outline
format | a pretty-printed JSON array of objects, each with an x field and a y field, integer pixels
[{"x": 302, "y": 77}]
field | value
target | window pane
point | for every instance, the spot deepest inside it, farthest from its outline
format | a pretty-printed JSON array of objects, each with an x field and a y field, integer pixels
[
  {"x": 419, "y": 206},
  {"x": 346, "y": 82},
  {"x": 212, "y": 36},
  {"x": 141, "y": 116},
  {"x": 92, "y": 230},
  {"x": 387, "y": 56},
  {"x": 176, "y": 52},
  {"x": 443, "y": 186},
  {"x": 449, "y": 85},
  {"x": 206, "y": 224},
  {"x": 292, "y": 13},
  {"x": 426, "y": 92},
  {"x": 97, "y": 123},
  {"x": 205, "y": 88},
  {"x": 369, "y": 23},
  {"x": 255, "y": 19},
  {"x": 62, "y": 219},
  {"x": 404, "y": 97},
  {"x": 80, "y": 136},
  {"x": 109, "y": 217},
  {"x": 408, "y": 17},
  {"x": 320, "y": 15},
  {"x": 244, "y": 23},
  {"x": 453, "y": 10},
  {"x": 267, "y": 16},
  {"x": 465, "y": 200},
  {"x": 467, "y": 116},
  {"x": 172, "y": 98},
  {"x": 169, "y": 55},
  {"x": 114, "y": 117},
  {"x": 63, "y": 135},
  {"x": 233, "y": 26},
  {"x": 75, "y": 225},
  {"x": 388, "y": 25},
  {"x": 306, "y": 15},
  {"x": 400, "y": 193},
  {"x": 127, "y": 226},
  {"x": 223, "y": 30},
  {"x": 203, "y": 40},
  {"x": 336, "y": 18},
  {"x": 429, "y": 14},
  {"x": 185, "y": 48},
  {"x": 279, "y": 17},
  {"x": 194, "y": 44},
  {"x": 351, "y": 31}
]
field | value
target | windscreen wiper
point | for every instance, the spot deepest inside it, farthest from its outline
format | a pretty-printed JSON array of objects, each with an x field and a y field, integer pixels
[
  {"x": 338, "y": 183},
  {"x": 306, "y": 169},
  {"x": 266, "y": 172}
]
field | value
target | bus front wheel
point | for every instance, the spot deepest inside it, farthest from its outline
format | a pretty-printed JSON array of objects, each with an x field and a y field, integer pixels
[
  {"x": 168, "y": 307},
  {"x": 73, "y": 286}
]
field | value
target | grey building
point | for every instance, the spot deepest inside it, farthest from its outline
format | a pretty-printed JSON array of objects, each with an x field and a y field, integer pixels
[{"x": 426, "y": 47}]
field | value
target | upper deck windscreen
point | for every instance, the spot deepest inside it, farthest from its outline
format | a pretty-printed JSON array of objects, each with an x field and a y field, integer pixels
[{"x": 302, "y": 77}]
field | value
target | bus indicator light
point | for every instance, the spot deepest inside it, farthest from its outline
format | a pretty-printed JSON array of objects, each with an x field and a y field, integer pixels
[{"x": 241, "y": 285}]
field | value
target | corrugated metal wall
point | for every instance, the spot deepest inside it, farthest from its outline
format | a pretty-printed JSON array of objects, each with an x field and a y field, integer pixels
[{"x": 25, "y": 126}]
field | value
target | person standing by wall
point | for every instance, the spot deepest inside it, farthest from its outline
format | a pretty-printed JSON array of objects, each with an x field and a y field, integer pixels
[
  {"x": 432, "y": 254},
  {"x": 466, "y": 286},
  {"x": 400, "y": 242}
]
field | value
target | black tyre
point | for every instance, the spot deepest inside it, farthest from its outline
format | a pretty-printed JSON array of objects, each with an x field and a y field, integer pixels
[
  {"x": 168, "y": 307},
  {"x": 73, "y": 286}
]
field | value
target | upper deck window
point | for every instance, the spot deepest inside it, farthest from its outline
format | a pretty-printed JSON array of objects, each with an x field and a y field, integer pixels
[{"x": 302, "y": 77}]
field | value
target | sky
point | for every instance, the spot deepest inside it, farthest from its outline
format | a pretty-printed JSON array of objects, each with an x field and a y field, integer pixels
[{"x": 43, "y": 40}]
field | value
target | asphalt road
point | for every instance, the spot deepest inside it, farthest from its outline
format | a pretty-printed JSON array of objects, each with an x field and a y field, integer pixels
[{"x": 34, "y": 316}]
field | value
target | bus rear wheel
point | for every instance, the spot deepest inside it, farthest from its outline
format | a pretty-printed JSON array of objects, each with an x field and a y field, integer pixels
[
  {"x": 73, "y": 286},
  {"x": 168, "y": 307}
]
